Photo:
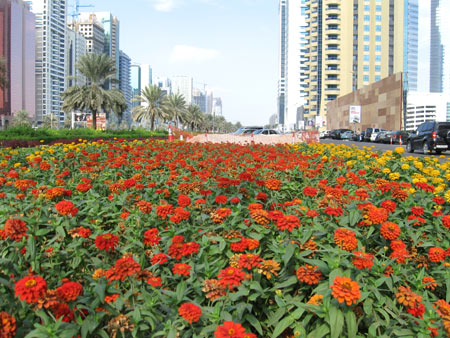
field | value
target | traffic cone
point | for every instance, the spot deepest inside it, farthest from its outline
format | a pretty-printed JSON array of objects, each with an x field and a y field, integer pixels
[
  {"x": 400, "y": 140},
  {"x": 170, "y": 135},
  {"x": 391, "y": 140}
]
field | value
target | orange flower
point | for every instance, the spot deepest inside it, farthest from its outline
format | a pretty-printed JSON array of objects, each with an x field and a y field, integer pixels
[
  {"x": 429, "y": 283},
  {"x": 66, "y": 208},
  {"x": 31, "y": 288},
  {"x": 345, "y": 239},
  {"x": 315, "y": 300},
  {"x": 249, "y": 261},
  {"x": 260, "y": 216},
  {"x": 181, "y": 269},
  {"x": 288, "y": 222},
  {"x": 309, "y": 274},
  {"x": 345, "y": 290},
  {"x": 406, "y": 297},
  {"x": 15, "y": 229},
  {"x": 144, "y": 206},
  {"x": 377, "y": 215},
  {"x": 436, "y": 254},
  {"x": 8, "y": 325},
  {"x": 442, "y": 308},
  {"x": 106, "y": 241},
  {"x": 112, "y": 298},
  {"x": 390, "y": 231},
  {"x": 269, "y": 267},
  {"x": 190, "y": 312},
  {"x": 362, "y": 260},
  {"x": 273, "y": 184},
  {"x": 213, "y": 289}
]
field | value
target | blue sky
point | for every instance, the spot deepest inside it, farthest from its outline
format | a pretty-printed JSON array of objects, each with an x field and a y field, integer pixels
[{"x": 231, "y": 45}]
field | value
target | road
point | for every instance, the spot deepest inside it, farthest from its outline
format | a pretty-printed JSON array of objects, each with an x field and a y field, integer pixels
[{"x": 384, "y": 147}]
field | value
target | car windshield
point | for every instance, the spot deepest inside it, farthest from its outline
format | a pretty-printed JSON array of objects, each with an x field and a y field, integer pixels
[
  {"x": 259, "y": 131},
  {"x": 443, "y": 126}
]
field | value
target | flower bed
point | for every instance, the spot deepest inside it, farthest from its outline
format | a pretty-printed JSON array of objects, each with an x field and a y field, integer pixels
[{"x": 157, "y": 239}]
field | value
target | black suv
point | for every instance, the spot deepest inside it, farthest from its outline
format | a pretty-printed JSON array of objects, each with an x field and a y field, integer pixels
[{"x": 429, "y": 136}]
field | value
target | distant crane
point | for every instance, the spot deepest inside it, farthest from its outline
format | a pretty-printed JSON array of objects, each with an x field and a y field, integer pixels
[{"x": 76, "y": 10}]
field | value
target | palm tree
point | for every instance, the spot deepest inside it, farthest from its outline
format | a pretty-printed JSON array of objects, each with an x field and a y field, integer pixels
[
  {"x": 93, "y": 96},
  {"x": 3, "y": 73},
  {"x": 194, "y": 117},
  {"x": 154, "y": 105},
  {"x": 176, "y": 108}
]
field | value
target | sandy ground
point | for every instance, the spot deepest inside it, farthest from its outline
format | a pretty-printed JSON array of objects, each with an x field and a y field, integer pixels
[{"x": 308, "y": 137}]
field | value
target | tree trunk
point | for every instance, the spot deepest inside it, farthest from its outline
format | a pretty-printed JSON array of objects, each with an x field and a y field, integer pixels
[
  {"x": 152, "y": 123},
  {"x": 94, "y": 119}
]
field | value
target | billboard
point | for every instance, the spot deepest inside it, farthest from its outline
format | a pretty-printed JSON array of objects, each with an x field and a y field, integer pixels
[{"x": 354, "y": 114}]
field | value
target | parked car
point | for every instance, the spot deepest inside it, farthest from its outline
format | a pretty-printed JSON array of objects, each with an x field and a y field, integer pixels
[
  {"x": 381, "y": 135},
  {"x": 368, "y": 133},
  {"x": 246, "y": 130},
  {"x": 374, "y": 134},
  {"x": 430, "y": 136},
  {"x": 336, "y": 133},
  {"x": 266, "y": 132},
  {"x": 347, "y": 135},
  {"x": 324, "y": 134}
]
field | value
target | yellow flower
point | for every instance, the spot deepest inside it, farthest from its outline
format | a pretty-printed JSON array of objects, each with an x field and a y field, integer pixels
[
  {"x": 18, "y": 164},
  {"x": 447, "y": 196},
  {"x": 386, "y": 170},
  {"x": 405, "y": 166},
  {"x": 42, "y": 141},
  {"x": 412, "y": 190},
  {"x": 394, "y": 176},
  {"x": 399, "y": 150}
]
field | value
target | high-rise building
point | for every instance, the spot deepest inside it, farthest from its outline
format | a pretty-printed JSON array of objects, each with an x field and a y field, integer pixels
[
  {"x": 76, "y": 48},
  {"x": 125, "y": 83},
  {"x": 17, "y": 48},
  {"x": 183, "y": 85},
  {"x": 111, "y": 29},
  {"x": 291, "y": 46},
  {"x": 199, "y": 99},
  {"x": 93, "y": 32},
  {"x": 217, "y": 106},
  {"x": 209, "y": 100},
  {"x": 165, "y": 84},
  {"x": 135, "y": 76},
  {"x": 344, "y": 46},
  {"x": 146, "y": 76},
  {"x": 440, "y": 47},
  {"x": 51, "y": 31}
]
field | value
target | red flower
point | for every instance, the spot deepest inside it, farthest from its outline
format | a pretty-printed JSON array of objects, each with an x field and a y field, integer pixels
[
  {"x": 230, "y": 277},
  {"x": 345, "y": 239},
  {"x": 389, "y": 205},
  {"x": 159, "y": 258},
  {"x": 390, "y": 231},
  {"x": 312, "y": 213},
  {"x": 184, "y": 200},
  {"x": 273, "y": 184},
  {"x": 69, "y": 291},
  {"x": 190, "y": 312},
  {"x": 310, "y": 191},
  {"x": 446, "y": 221},
  {"x": 151, "y": 237},
  {"x": 112, "y": 298},
  {"x": 417, "y": 311},
  {"x": 235, "y": 200},
  {"x": 164, "y": 210},
  {"x": 309, "y": 274},
  {"x": 62, "y": 310},
  {"x": 230, "y": 330},
  {"x": 31, "y": 288},
  {"x": 15, "y": 229},
  {"x": 83, "y": 187},
  {"x": 288, "y": 222},
  {"x": 154, "y": 281},
  {"x": 123, "y": 268},
  {"x": 399, "y": 255},
  {"x": 249, "y": 261},
  {"x": 336, "y": 211},
  {"x": 106, "y": 241},
  {"x": 221, "y": 199},
  {"x": 397, "y": 245},
  {"x": 260, "y": 196},
  {"x": 436, "y": 254},
  {"x": 181, "y": 269},
  {"x": 417, "y": 211},
  {"x": 66, "y": 208},
  {"x": 362, "y": 260}
]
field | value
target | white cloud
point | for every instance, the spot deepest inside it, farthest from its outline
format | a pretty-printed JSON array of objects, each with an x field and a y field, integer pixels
[
  {"x": 181, "y": 53},
  {"x": 164, "y": 5}
]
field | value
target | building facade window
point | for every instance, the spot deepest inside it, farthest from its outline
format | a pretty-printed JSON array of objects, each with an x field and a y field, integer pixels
[{"x": 366, "y": 78}]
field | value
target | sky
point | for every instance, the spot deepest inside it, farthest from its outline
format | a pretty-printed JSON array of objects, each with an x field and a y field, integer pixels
[{"x": 229, "y": 45}]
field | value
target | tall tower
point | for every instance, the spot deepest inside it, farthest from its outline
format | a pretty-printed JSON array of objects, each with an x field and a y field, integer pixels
[
  {"x": 440, "y": 47},
  {"x": 125, "y": 83},
  {"x": 17, "y": 48},
  {"x": 50, "y": 56},
  {"x": 281, "y": 101},
  {"x": 350, "y": 44},
  {"x": 183, "y": 85}
]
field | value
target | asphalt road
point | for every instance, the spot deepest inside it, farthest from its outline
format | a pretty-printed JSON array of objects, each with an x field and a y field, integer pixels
[{"x": 384, "y": 147}]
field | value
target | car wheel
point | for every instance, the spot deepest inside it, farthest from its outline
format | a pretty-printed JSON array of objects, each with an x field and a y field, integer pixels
[
  {"x": 425, "y": 148},
  {"x": 409, "y": 147}
]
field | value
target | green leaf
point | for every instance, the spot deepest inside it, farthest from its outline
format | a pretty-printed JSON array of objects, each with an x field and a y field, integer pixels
[
  {"x": 336, "y": 321},
  {"x": 100, "y": 291},
  {"x": 181, "y": 288},
  {"x": 352, "y": 327},
  {"x": 290, "y": 281},
  {"x": 290, "y": 249},
  {"x": 367, "y": 306},
  {"x": 282, "y": 325},
  {"x": 320, "y": 332},
  {"x": 254, "y": 322}
]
